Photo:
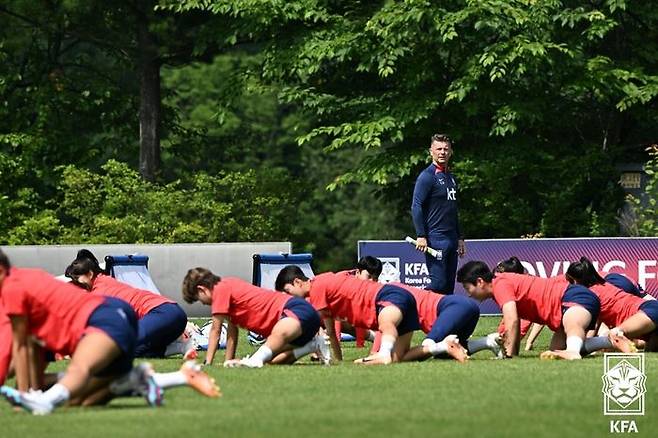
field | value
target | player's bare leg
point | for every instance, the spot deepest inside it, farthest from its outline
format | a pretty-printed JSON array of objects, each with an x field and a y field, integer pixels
[
  {"x": 637, "y": 325},
  {"x": 284, "y": 331},
  {"x": 575, "y": 322},
  {"x": 389, "y": 318}
]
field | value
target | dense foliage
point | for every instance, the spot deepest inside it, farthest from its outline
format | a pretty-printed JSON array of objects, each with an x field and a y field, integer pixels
[{"x": 267, "y": 103}]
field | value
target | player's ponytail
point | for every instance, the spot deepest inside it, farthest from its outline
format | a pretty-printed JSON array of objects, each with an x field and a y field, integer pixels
[
  {"x": 84, "y": 263},
  {"x": 512, "y": 264},
  {"x": 583, "y": 272}
]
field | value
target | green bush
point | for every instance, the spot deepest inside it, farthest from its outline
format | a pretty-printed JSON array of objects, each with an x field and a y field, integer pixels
[{"x": 117, "y": 206}]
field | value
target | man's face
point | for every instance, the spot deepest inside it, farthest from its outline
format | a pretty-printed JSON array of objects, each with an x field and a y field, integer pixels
[
  {"x": 477, "y": 291},
  {"x": 441, "y": 152},
  {"x": 296, "y": 288}
]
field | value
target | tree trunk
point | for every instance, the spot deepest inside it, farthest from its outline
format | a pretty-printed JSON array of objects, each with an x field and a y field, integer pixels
[{"x": 149, "y": 104}]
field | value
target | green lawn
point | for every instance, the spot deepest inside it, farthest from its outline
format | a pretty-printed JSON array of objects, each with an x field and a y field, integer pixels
[{"x": 520, "y": 397}]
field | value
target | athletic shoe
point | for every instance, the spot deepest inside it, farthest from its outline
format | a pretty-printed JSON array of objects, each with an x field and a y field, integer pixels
[
  {"x": 146, "y": 385},
  {"x": 30, "y": 402},
  {"x": 559, "y": 355},
  {"x": 496, "y": 345},
  {"x": 199, "y": 380},
  {"x": 621, "y": 342},
  {"x": 13, "y": 396},
  {"x": 323, "y": 351},
  {"x": 455, "y": 349}
]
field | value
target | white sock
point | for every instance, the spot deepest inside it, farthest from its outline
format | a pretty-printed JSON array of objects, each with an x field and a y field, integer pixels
[
  {"x": 574, "y": 344},
  {"x": 263, "y": 354},
  {"x": 305, "y": 349},
  {"x": 386, "y": 346},
  {"x": 56, "y": 395},
  {"x": 596, "y": 343},
  {"x": 438, "y": 348},
  {"x": 169, "y": 380},
  {"x": 479, "y": 344}
]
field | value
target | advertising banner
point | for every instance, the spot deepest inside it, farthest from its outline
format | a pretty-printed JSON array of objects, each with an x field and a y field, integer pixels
[{"x": 637, "y": 258}]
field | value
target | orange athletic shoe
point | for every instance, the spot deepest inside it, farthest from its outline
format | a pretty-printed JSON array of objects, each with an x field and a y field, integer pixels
[{"x": 199, "y": 380}]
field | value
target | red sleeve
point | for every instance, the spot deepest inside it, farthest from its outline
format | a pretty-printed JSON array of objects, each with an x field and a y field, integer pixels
[
  {"x": 221, "y": 298},
  {"x": 14, "y": 298},
  {"x": 318, "y": 294},
  {"x": 503, "y": 291}
]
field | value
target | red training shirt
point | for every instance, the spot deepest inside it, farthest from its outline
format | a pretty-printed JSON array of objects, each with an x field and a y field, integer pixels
[
  {"x": 142, "y": 301},
  {"x": 427, "y": 304},
  {"x": 616, "y": 305},
  {"x": 250, "y": 307},
  {"x": 56, "y": 312},
  {"x": 5, "y": 344},
  {"x": 537, "y": 299},
  {"x": 345, "y": 296}
]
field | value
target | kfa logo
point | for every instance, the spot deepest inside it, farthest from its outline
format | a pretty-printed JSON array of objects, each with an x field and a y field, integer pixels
[
  {"x": 390, "y": 270},
  {"x": 452, "y": 194},
  {"x": 624, "y": 386}
]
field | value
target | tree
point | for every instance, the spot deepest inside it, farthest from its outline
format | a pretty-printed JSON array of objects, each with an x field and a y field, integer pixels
[{"x": 552, "y": 82}]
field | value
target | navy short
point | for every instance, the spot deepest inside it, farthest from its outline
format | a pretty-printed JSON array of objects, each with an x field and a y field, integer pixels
[
  {"x": 391, "y": 295},
  {"x": 624, "y": 284},
  {"x": 159, "y": 328},
  {"x": 307, "y": 316},
  {"x": 117, "y": 319},
  {"x": 651, "y": 309},
  {"x": 578, "y": 295},
  {"x": 456, "y": 315}
]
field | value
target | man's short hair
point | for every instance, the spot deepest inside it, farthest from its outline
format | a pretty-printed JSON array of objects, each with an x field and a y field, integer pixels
[
  {"x": 371, "y": 264},
  {"x": 287, "y": 275},
  {"x": 197, "y": 277},
  {"x": 471, "y": 271},
  {"x": 441, "y": 138}
]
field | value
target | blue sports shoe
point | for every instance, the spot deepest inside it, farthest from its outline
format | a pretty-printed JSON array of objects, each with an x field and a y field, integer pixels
[
  {"x": 13, "y": 396},
  {"x": 32, "y": 403},
  {"x": 153, "y": 393}
]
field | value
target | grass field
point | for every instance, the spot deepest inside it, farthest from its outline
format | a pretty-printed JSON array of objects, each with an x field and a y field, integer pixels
[{"x": 520, "y": 397}]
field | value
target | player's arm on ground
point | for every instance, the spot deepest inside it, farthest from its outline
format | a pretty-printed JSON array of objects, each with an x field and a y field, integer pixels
[
  {"x": 35, "y": 354},
  {"x": 333, "y": 336},
  {"x": 512, "y": 329},
  {"x": 213, "y": 337},
  {"x": 20, "y": 353},
  {"x": 231, "y": 340},
  {"x": 533, "y": 335}
]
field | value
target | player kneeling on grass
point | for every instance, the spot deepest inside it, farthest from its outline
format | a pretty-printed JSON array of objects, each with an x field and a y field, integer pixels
[
  {"x": 289, "y": 324},
  {"x": 99, "y": 333},
  {"x": 362, "y": 303},
  {"x": 161, "y": 321},
  {"x": 569, "y": 310},
  {"x": 628, "y": 314},
  {"x": 449, "y": 321}
]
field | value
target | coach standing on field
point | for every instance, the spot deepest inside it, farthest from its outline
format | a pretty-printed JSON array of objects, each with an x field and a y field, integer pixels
[{"x": 434, "y": 213}]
